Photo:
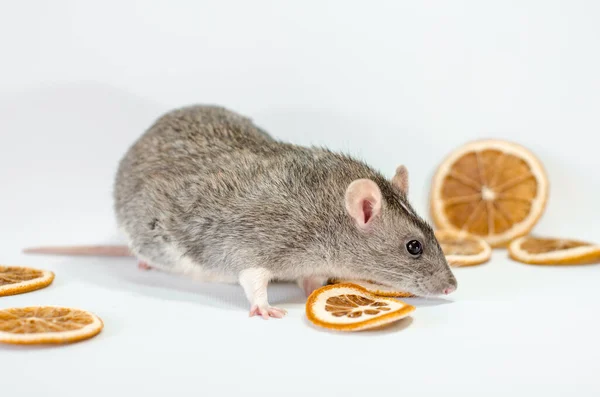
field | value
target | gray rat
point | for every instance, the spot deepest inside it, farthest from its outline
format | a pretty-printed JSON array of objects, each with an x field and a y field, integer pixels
[{"x": 206, "y": 193}]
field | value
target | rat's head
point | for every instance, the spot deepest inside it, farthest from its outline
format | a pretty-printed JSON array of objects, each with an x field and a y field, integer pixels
[{"x": 394, "y": 245}]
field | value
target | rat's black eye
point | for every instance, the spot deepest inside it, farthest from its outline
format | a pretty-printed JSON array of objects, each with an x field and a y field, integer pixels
[{"x": 414, "y": 247}]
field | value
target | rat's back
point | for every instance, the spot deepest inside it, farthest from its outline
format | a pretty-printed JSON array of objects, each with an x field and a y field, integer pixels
[
  {"x": 182, "y": 156},
  {"x": 194, "y": 138}
]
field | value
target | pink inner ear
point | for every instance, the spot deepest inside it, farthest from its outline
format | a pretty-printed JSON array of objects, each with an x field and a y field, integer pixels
[{"x": 367, "y": 208}]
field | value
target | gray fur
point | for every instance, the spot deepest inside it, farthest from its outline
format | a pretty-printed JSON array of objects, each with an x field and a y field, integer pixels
[{"x": 206, "y": 192}]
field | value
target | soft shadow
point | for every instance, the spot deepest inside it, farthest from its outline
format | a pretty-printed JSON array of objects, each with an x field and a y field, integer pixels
[
  {"x": 425, "y": 302},
  {"x": 21, "y": 348},
  {"x": 122, "y": 274},
  {"x": 397, "y": 326}
]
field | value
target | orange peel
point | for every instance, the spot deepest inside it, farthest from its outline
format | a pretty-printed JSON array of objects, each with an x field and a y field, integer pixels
[
  {"x": 47, "y": 325},
  {"x": 553, "y": 251},
  {"x": 349, "y": 307},
  {"x": 18, "y": 280},
  {"x": 463, "y": 249},
  {"x": 493, "y": 189}
]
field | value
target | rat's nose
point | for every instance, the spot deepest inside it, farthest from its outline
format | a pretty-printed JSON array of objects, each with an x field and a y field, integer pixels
[
  {"x": 451, "y": 286},
  {"x": 449, "y": 290}
]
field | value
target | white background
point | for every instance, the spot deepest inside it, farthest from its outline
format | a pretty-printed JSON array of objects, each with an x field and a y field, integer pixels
[{"x": 390, "y": 81}]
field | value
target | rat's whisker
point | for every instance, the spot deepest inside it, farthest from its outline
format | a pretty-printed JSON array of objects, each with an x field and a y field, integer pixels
[
  {"x": 403, "y": 267},
  {"x": 409, "y": 269},
  {"x": 397, "y": 274}
]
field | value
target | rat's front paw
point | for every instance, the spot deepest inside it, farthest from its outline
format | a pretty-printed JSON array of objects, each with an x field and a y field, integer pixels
[{"x": 267, "y": 311}]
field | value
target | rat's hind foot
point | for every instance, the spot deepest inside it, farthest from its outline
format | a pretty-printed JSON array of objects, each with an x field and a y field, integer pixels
[
  {"x": 255, "y": 281},
  {"x": 267, "y": 311},
  {"x": 143, "y": 265}
]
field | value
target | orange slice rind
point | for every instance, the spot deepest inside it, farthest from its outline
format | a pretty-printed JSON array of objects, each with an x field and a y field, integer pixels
[
  {"x": 375, "y": 288},
  {"x": 349, "y": 307},
  {"x": 47, "y": 325},
  {"x": 493, "y": 189},
  {"x": 463, "y": 249},
  {"x": 553, "y": 251},
  {"x": 18, "y": 280}
]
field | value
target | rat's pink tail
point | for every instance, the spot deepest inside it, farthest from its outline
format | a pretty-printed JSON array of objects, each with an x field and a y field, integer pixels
[{"x": 84, "y": 250}]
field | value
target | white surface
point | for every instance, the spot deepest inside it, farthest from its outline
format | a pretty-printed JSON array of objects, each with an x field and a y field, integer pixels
[{"x": 400, "y": 82}]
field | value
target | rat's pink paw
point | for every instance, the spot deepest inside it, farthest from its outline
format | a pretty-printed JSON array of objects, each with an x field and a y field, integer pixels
[
  {"x": 143, "y": 266},
  {"x": 267, "y": 311}
]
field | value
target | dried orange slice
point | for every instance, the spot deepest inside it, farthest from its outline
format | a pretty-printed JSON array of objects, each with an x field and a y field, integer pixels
[
  {"x": 47, "y": 324},
  {"x": 493, "y": 189},
  {"x": 17, "y": 280},
  {"x": 553, "y": 251},
  {"x": 375, "y": 288},
  {"x": 463, "y": 249},
  {"x": 349, "y": 307}
]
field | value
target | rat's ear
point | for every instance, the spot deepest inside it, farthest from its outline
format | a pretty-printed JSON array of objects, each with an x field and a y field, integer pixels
[
  {"x": 400, "y": 180},
  {"x": 363, "y": 201}
]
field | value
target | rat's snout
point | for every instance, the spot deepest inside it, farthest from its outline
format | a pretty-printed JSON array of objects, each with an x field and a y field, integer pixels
[
  {"x": 451, "y": 285},
  {"x": 441, "y": 283}
]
